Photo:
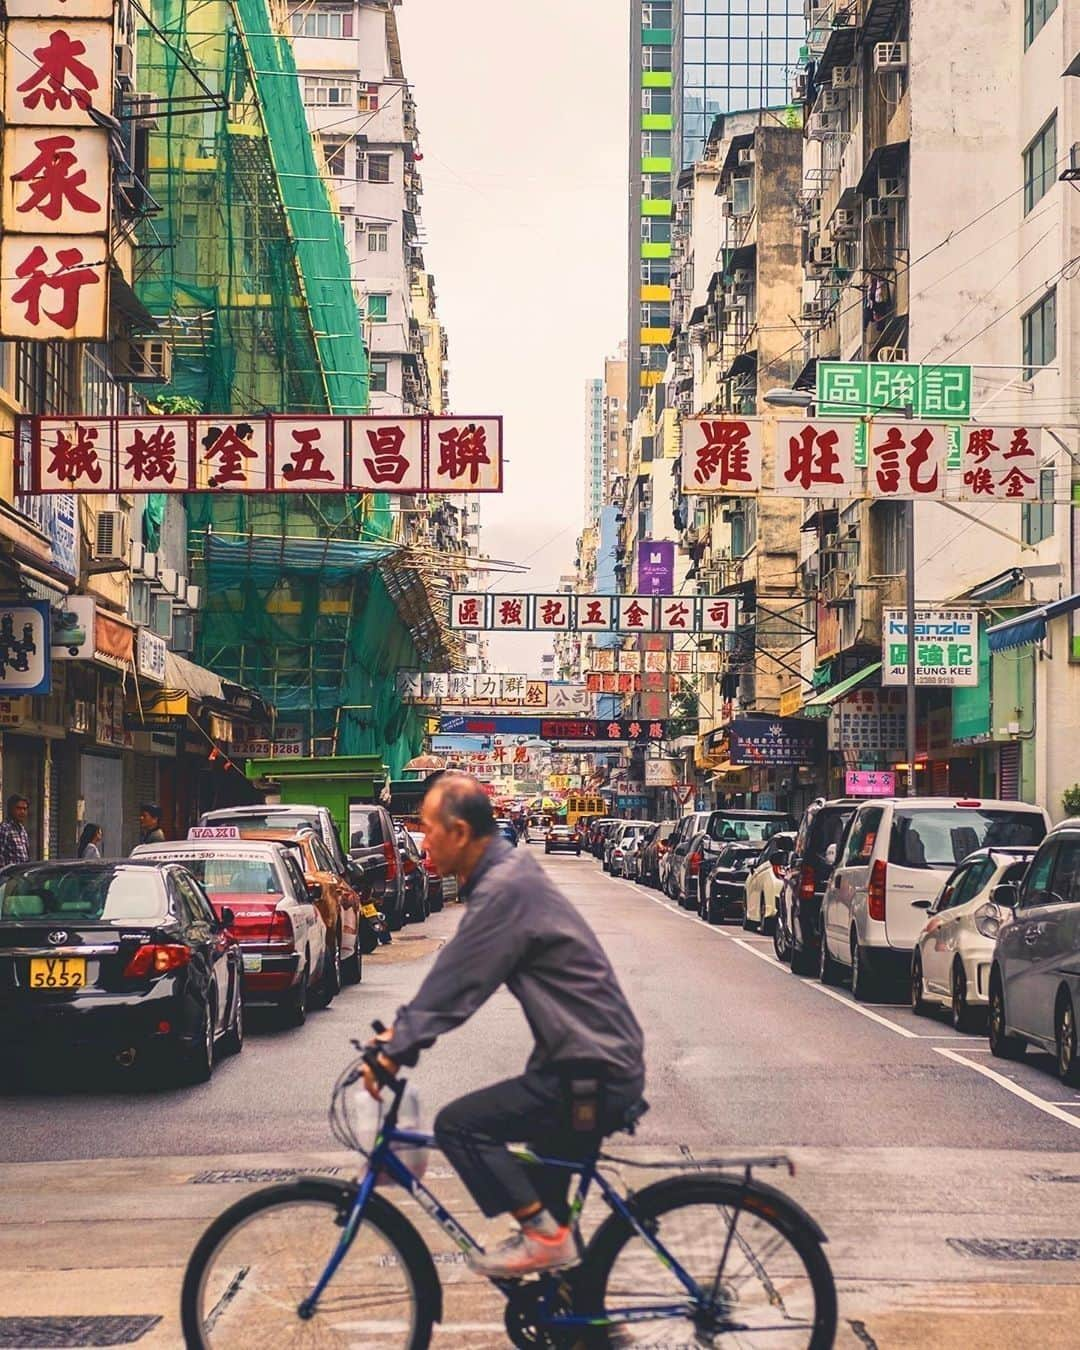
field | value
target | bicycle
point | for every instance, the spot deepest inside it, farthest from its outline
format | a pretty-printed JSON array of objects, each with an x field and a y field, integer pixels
[{"x": 746, "y": 1265}]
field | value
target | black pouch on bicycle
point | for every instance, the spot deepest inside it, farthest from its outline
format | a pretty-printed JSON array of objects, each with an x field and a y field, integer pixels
[{"x": 584, "y": 1096}]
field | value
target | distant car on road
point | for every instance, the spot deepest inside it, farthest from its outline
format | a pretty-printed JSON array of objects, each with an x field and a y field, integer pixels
[
  {"x": 118, "y": 958},
  {"x": 673, "y": 866},
  {"x": 653, "y": 847},
  {"x": 415, "y": 877},
  {"x": 722, "y": 895},
  {"x": 796, "y": 934},
  {"x": 562, "y": 839},
  {"x": 623, "y": 844},
  {"x": 440, "y": 889},
  {"x": 506, "y": 831},
  {"x": 765, "y": 881},
  {"x": 950, "y": 966},
  {"x": 536, "y": 831},
  {"x": 598, "y": 834},
  {"x": 372, "y": 841}
]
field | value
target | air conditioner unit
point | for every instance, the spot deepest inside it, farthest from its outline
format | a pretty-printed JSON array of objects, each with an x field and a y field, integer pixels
[
  {"x": 746, "y": 155},
  {"x": 743, "y": 276},
  {"x": 194, "y": 597},
  {"x": 138, "y": 554},
  {"x": 879, "y": 208},
  {"x": 824, "y": 255},
  {"x": 169, "y": 578},
  {"x": 819, "y": 271},
  {"x": 146, "y": 360},
  {"x": 812, "y": 312},
  {"x": 891, "y": 187},
  {"x": 799, "y": 89},
  {"x": 727, "y": 207},
  {"x": 151, "y": 563},
  {"x": 891, "y": 355},
  {"x": 831, "y": 100},
  {"x": 736, "y": 300},
  {"x": 125, "y": 65},
  {"x": 844, "y": 222},
  {"x": 180, "y": 593},
  {"x": 844, "y": 77},
  {"x": 111, "y": 538},
  {"x": 822, "y": 125},
  {"x": 890, "y": 55},
  {"x": 838, "y": 587}
]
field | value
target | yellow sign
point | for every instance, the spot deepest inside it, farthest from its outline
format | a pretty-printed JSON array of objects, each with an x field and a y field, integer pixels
[{"x": 791, "y": 701}]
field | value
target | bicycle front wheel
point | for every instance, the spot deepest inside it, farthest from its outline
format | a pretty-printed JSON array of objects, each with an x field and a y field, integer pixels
[
  {"x": 763, "y": 1277},
  {"x": 256, "y": 1264}
]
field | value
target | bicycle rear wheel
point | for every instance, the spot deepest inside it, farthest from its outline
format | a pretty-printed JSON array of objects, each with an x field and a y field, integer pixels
[
  {"x": 756, "y": 1258},
  {"x": 262, "y": 1257}
]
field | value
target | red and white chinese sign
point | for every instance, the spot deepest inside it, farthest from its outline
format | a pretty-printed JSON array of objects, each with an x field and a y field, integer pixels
[
  {"x": 285, "y": 453},
  {"x": 57, "y": 170},
  {"x": 591, "y": 613},
  {"x": 904, "y": 460}
]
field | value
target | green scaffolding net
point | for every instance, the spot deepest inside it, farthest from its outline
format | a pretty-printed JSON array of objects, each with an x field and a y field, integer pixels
[{"x": 246, "y": 272}]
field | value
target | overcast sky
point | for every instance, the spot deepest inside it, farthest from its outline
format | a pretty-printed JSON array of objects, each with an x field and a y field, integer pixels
[{"x": 523, "y": 123}]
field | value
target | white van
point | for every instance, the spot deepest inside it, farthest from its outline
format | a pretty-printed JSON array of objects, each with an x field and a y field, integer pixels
[{"x": 896, "y": 855}]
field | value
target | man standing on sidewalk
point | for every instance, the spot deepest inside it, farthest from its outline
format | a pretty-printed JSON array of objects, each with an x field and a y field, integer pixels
[{"x": 14, "y": 840}]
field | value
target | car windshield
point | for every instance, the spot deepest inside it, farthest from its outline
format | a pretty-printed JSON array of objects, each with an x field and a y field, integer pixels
[
  {"x": 78, "y": 894},
  {"x": 736, "y": 857},
  {"x": 752, "y": 829},
  {"x": 943, "y": 837},
  {"x": 226, "y": 875},
  {"x": 269, "y": 820},
  {"x": 365, "y": 829}
]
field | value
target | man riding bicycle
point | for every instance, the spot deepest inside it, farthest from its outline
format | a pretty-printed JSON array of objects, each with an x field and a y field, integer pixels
[{"x": 586, "y": 1071}]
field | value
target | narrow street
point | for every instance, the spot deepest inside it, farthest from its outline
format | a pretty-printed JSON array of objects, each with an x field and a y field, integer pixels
[{"x": 946, "y": 1181}]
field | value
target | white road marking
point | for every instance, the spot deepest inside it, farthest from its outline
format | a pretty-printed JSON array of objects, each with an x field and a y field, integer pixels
[{"x": 1048, "y": 1108}]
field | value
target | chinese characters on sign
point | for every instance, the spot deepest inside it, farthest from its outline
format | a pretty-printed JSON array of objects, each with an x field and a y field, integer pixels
[
  {"x": 656, "y": 566},
  {"x": 869, "y": 722},
  {"x": 816, "y": 459},
  {"x": 554, "y": 729},
  {"x": 858, "y": 387},
  {"x": 721, "y": 455},
  {"x": 57, "y": 171},
  {"x": 1000, "y": 463},
  {"x": 946, "y": 647},
  {"x": 776, "y": 740},
  {"x": 588, "y": 613},
  {"x": 257, "y": 454},
  {"x": 870, "y": 783}
]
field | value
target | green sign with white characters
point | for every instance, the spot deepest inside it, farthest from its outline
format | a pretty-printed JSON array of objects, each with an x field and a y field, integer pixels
[{"x": 865, "y": 388}]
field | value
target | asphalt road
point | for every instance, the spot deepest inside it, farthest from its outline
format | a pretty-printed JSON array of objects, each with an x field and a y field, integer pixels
[{"x": 926, "y": 1161}]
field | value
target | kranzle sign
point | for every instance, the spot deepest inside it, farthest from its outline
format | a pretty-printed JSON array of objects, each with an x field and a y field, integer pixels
[{"x": 946, "y": 647}]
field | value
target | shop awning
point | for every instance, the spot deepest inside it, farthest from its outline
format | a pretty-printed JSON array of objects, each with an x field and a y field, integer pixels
[
  {"x": 827, "y": 697},
  {"x": 1029, "y": 627},
  {"x": 265, "y": 558},
  {"x": 185, "y": 676}
]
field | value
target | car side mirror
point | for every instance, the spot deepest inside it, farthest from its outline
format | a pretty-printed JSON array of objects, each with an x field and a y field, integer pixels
[
  {"x": 228, "y": 918},
  {"x": 1006, "y": 894},
  {"x": 314, "y": 891},
  {"x": 830, "y": 855}
]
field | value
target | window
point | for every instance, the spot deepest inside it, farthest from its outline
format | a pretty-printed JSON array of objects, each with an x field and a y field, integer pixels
[
  {"x": 1036, "y": 13},
  {"x": 378, "y": 238},
  {"x": 656, "y": 101},
  {"x": 657, "y": 186},
  {"x": 376, "y": 308},
  {"x": 942, "y": 837},
  {"x": 892, "y": 525},
  {"x": 656, "y": 145},
  {"x": 656, "y": 58},
  {"x": 377, "y": 377},
  {"x": 335, "y": 157},
  {"x": 1039, "y": 333},
  {"x": 1037, "y": 518},
  {"x": 655, "y": 314},
  {"x": 328, "y": 93},
  {"x": 43, "y": 377},
  {"x": 378, "y": 168},
  {"x": 1040, "y": 165},
  {"x": 860, "y": 844},
  {"x": 322, "y": 23},
  {"x": 367, "y": 98}
]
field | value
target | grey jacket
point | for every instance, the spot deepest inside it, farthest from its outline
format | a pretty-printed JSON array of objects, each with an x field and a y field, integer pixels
[{"x": 519, "y": 930}]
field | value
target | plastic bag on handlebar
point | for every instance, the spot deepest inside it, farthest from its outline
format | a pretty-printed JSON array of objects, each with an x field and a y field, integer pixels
[{"x": 357, "y": 1120}]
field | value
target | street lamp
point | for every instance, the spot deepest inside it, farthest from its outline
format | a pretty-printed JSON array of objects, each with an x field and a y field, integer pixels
[{"x": 805, "y": 398}]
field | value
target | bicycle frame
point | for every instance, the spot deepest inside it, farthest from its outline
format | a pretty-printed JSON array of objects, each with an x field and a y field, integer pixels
[{"x": 383, "y": 1161}]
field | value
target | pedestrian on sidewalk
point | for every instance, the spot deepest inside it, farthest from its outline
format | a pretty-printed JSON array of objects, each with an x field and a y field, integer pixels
[
  {"x": 14, "y": 841},
  {"x": 90, "y": 841},
  {"x": 150, "y": 824}
]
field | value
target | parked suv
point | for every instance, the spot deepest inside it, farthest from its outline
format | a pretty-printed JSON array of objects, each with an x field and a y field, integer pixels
[
  {"x": 373, "y": 843},
  {"x": 798, "y": 917},
  {"x": 1035, "y": 976},
  {"x": 675, "y": 862},
  {"x": 897, "y": 854},
  {"x": 283, "y": 816},
  {"x": 623, "y": 840},
  {"x": 730, "y": 825}
]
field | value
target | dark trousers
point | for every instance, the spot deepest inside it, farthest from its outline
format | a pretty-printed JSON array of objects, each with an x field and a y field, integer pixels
[{"x": 534, "y": 1109}]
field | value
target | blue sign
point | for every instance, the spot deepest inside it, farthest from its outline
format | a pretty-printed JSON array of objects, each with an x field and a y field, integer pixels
[
  {"x": 776, "y": 740},
  {"x": 25, "y": 648}
]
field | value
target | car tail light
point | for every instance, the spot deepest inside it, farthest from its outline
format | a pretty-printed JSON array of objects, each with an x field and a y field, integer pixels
[
  {"x": 156, "y": 958},
  {"x": 875, "y": 894},
  {"x": 390, "y": 854},
  {"x": 806, "y": 883},
  {"x": 281, "y": 929},
  {"x": 694, "y": 863}
]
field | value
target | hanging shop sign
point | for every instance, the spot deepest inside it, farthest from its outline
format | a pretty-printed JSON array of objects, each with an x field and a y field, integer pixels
[
  {"x": 656, "y": 566},
  {"x": 946, "y": 647},
  {"x": 661, "y": 772},
  {"x": 73, "y": 629},
  {"x": 856, "y": 388},
  {"x": 492, "y": 690},
  {"x": 266, "y": 454},
  {"x": 553, "y": 728},
  {"x": 889, "y": 460},
  {"x": 780, "y": 740},
  {"x": 55, "y": 200},
  {"x": 602, "y": 661},
  {"x": 25, "y": 646},
  {"x": 870, "y": 783},
  {"x": 595, "y": 613},
  {"x": 150, "y": 649},
  {"x": 869, "y": 722}
]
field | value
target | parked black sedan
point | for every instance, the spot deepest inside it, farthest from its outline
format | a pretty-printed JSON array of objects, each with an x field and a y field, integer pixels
[
  {"x": 124, "y": 958},
  {"x": 722, "y": 895}
]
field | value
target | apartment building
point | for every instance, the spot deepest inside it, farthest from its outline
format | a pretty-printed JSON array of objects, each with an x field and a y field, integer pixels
[
  {"x": 938, "y": 230},
  {"x": 594, "y": 449}
]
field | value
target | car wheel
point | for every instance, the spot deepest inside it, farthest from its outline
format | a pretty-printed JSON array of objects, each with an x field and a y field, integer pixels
[
  {"x": 233, "y": 1040},
  {"x": 780, "y": 941},
  {"x": 963, "y": 1015},
  {"x": 198, "y": 1060},
  {"x": 435, "y": 902},
  {"x": 294, "y": 1005},
  {"x": 918, "y": 1002},
  {"x": 1002, "y": 1045},
  {"x": 396, "y": 922},
  {"x": 331, "y": 979},
  {"x": 352, "y": 970},
  {"x": 829, "y": 971},
  {"x": 802, "y": 960},
  {"x": 747, "y": 922},
  {"x": 546, "y": 849},
  {"x": 1068, "y": 1066},
  {"x": 864, "y": 986}
]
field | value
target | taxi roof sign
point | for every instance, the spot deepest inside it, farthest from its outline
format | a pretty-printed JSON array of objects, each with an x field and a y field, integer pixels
[{"x": 214, "y": 832}]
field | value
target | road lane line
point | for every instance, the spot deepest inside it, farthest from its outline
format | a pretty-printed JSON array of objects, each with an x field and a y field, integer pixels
[
  {"x": 1048, "y": 1108},
  {"x": 863, "y": 1012}
]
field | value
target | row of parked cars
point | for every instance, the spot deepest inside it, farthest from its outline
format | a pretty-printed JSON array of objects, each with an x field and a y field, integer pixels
[
  {"x": 973, "y": 904},
  {"x": 153, "y": 960}
]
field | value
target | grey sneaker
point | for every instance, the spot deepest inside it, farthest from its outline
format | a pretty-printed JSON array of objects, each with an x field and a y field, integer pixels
[{"x": 527, "y": 1253}]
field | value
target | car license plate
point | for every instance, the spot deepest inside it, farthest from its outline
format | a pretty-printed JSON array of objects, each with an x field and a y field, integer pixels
[
  {"x": 252, "y": 964},
  {"x": 58, "y": 972}
]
